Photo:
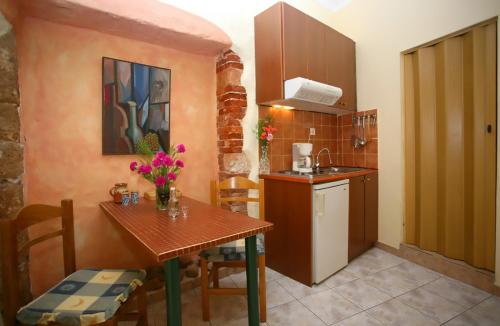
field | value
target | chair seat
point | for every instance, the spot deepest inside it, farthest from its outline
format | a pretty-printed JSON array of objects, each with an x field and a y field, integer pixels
[
  {"x": 232, "y": 251},
  {"x": 86, "y": 297}
]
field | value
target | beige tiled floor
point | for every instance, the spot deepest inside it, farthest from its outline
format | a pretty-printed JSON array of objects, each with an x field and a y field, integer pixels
[{"x": 375, "y": 289}]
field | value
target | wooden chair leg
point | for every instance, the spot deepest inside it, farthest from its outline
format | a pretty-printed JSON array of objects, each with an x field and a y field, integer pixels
[
  {"x": 262, "y": 288},
  {"x": 142, "y": 306},
  {"x": 205, "y": 306},
  {"x": 215, "y": 275}
]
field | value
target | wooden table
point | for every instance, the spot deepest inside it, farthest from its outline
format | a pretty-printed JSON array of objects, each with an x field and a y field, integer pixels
[{"x": 206, "y": 226}]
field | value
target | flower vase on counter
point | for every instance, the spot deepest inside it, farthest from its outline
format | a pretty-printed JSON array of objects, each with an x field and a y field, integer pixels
[
  {"x": 264, "y": 165},
  {"x": 264, "y": 133},
  {"x": 160, "y": 168}
]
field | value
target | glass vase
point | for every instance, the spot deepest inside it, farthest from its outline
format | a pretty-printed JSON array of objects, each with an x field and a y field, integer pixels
[
  {"x": 264, "y": 165},
  {"x": 162, "y": 197}
]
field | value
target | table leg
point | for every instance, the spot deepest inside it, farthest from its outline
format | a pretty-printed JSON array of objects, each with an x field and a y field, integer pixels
[
  {"x": 252, "y": 285},
  {"x": 173, "y": 292}
]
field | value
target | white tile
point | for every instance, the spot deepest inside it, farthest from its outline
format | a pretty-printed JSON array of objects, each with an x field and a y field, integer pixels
[
  {"x": 389, "y": 260},
  {"x": 330, "y": 306},
  {"x": 391, "y": 281},
  {"x": 456, "y": 291},
  {"x": 361, "y": 319},
  {"x": 414, "y": 272},
  {"x": 226, "y": 308},
  {"x": 240, "y": 279},
  {"x": 276, "y": 295},
  {"x": 292, "y": 314},
  {"x": 299, "y": 290},
  {"x": 489, "y": 309},
  {"x": 395, "y": 313},
  {"x": 362, "y": 294},
  {"x": 272, "y": 275},
  {"x": 432, "y": 305},
  {"x": 470, "y": 318},
  {"x": 340, "y": 278},
  {"x": 366, "y": 265}
]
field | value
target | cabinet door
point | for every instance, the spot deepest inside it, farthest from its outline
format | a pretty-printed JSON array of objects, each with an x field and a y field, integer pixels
[
  {"x": 268, "y": 58},
  {"x": 341, "y": 67},
  {"x": 371, "y": 209},
  {"x": 356, "y": 217},
  {"x": 294, "y": 42},
  {"x": 316, "y": 50}
]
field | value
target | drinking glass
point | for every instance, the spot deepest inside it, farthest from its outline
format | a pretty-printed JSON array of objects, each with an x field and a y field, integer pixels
[{"x": 185, "y": 211}]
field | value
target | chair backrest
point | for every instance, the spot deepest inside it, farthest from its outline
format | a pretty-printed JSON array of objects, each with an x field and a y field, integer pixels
[
  {"x": 237, "y": 183},
  {"x": 11, "y": 251}
]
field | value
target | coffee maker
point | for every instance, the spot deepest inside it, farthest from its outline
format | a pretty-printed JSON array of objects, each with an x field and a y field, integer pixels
[{"x": 301, "y": 157}]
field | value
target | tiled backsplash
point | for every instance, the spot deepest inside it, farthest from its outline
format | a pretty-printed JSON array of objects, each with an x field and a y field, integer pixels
[{"x": 333, "y": 132}]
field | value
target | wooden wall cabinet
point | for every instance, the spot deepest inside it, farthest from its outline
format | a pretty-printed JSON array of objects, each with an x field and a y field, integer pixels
[
  {"x": 363, "y": 214},
  {"x": 290, "y": 44}
]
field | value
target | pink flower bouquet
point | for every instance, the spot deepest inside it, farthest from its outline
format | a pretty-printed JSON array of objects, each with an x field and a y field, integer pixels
[{"x": 161, "y": 169}]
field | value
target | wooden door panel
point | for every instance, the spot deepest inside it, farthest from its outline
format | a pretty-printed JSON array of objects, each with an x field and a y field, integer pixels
[
  {"x": 294, "y": 43},
  {"x": 371, "y": 209},
  {"x": 316, "y": 50},
  {"x": 356, "y": 217},
  {"x": 289, "y": 245}
]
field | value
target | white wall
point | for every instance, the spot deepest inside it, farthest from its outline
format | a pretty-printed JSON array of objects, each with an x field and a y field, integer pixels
[{"x": 381, "y": 29}]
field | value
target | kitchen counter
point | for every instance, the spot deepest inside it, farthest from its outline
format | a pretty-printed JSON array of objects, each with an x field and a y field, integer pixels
[{"x": 315, "y": 179}]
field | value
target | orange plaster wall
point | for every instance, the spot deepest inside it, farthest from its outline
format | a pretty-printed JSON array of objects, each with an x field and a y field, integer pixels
[{"x": 60, "y": 85}]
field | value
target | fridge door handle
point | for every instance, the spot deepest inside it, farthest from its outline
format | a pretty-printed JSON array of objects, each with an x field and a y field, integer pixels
[{"x": 320, "y": 204}]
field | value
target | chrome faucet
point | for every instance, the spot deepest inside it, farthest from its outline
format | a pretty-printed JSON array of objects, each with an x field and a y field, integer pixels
[{"x": 316, "y": 165}]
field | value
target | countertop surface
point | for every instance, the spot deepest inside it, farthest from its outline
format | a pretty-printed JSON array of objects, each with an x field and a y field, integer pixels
[{"x": 315, "y": 179}]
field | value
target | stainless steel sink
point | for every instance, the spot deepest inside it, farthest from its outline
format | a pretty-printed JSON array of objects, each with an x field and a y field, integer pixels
[
  {"x": 323, "y": 171},
  {"x": 340, "y": 169}
]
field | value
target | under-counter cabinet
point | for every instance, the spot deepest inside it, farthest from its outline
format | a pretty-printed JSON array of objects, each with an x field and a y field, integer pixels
[
  {"x": 363, "y": 214},
  {"x": 290, "y": 206},
  {"x": 289, "y": 44}
]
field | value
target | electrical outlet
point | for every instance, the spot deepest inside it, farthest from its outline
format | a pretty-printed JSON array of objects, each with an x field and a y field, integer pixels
[{"x": 312, "y": 131}]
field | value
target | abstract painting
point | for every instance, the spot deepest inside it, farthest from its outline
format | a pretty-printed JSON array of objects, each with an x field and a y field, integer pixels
[{"x": 135, "y": 104}]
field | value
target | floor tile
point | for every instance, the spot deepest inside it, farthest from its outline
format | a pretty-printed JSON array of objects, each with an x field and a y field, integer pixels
[
  {"x": 432, "y": 305},
  {"x": 276, "y": 295},
  {"x": 391, "y": 281},
  {"x": 470, "y": 318},
  {"x": 387, "y": 259},
  {"x": 456, "y": 291},
  {"x": 414, "y": 272},
  {"x": 396, "y": 313},
  {"x": 330, "y": 306},
  {"x": 292, "y": 314},
  {"x": 366, "y": 265},
  {"x": 361, "y": 319},
  {"x": 226, "y": 308},
  {"x": 272, "y": 275},
  {"x": 340, "y": 278},
  {"x": 490, "y": 309},
  {"x": 362, "y": 294},
  {"x": 299, "y": 290}
]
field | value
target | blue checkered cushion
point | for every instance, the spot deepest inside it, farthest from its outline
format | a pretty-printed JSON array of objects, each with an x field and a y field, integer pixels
[
  {"x": 232, "y": 251},
  {"x": 86, "y": 297}
]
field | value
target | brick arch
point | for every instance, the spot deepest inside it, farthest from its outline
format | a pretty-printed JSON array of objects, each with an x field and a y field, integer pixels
[{"x": 231, "y": 109}]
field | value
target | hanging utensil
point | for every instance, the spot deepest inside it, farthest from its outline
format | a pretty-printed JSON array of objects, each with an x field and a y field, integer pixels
[
  {"x": 354, "y": 137},
  {"x": 363, "y": 141}
]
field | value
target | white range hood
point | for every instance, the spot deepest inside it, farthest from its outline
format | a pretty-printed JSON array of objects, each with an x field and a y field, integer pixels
[{"x": 309, "y": 95}]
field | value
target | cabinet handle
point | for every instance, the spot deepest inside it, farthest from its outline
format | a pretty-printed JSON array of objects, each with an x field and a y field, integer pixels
[{"x": 368, "y": 179}]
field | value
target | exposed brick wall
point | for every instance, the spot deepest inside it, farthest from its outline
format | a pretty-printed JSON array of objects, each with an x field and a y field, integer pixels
[
  {"x": 11, "y": 149},
  {"x": 231, "y": 108}
]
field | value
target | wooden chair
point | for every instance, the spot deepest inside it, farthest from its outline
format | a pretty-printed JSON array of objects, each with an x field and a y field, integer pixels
[
  {"x": 234, "y": 183},
  {"x": 34, "y": 214}
]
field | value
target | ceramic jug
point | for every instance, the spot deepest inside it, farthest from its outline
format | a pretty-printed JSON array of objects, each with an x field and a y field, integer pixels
[{"x": 117, "y": 191}]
